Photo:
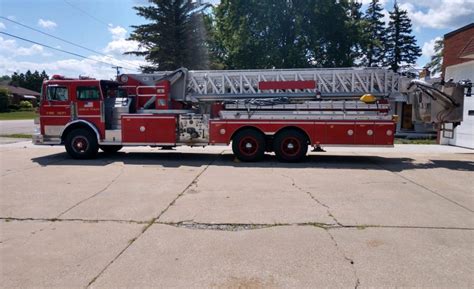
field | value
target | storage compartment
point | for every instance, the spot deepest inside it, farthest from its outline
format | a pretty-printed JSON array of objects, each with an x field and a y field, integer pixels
[
  {"x": 340, "y": 133},
  {"x": 149, "y": 129},
  {"x": 364, "y": 134},
  {"x": 384, "y": 133}
]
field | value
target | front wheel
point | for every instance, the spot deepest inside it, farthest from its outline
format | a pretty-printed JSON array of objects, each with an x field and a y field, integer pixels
[
  {"x": 290, "y": 146},
  {"x": 81, "y": 144},
  {"x": 110, "y": 149},
  {"x": 248, "y": 145}
]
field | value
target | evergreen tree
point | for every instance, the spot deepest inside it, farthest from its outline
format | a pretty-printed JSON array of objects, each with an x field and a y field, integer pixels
[
  {"x": 174, "y": 38},
  {"x": 437, "y": 58},
  {"x": 32, "y": 81},
  {"x": 374, "y": 35},
  {"x": 401, "y": 48}
]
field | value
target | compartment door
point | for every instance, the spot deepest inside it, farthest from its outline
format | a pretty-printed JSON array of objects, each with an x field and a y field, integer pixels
[
  {"x": 161, "y": 130},
  {"x": 133, "y": 130},
  {"x": 340, "y": 133}
]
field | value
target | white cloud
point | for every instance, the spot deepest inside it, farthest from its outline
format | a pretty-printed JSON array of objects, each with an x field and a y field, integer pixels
[
  {"x": 366, "y": 2},
  {"x": 118, "y": 32},
  {"x": 428, "y": 48},
  {"x": 119, "y": 43},
  {"x": 67, "y": 67},
  {"x": 10, "y": 48},
  {"x": 48, "y": 24},
  {"x": 2, "y": 26},
  {"x": 439, "y": 14},
  {"x": 120, "y": 46}
]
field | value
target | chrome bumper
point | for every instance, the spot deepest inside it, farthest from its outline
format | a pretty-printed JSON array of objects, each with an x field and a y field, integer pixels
[{"x": 38, "y": 139}]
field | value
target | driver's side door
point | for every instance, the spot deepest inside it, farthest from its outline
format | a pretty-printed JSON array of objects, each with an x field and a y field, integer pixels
[{"x": 55, "y": 110}]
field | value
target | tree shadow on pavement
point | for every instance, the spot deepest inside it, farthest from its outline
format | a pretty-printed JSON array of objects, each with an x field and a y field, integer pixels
[{"x": 321, "y": 161}]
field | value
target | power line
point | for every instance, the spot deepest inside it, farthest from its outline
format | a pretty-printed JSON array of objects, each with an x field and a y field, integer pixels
[
  {"x": 67, "y": 41},
  {"x": 86, "y": 13},
  {"x": 60, "y": 50}
]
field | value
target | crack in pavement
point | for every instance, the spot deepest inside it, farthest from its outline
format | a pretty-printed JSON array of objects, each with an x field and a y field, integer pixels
[
  {"x": 67, "y": 210},
  {"x": 218, "y": 227},
  {"x": 153, "y": 220},
  {"x": 122, "y": 169},
  {"x": 419, "y": 185},
  {"x": 351, "y": 261},
  {"x": 328, "y": 210},
  {"x": 230, "y": 226},
  {"x": 72, "y": 220}
]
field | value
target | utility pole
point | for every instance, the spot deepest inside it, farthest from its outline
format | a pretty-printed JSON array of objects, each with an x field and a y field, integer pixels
[{"x": 118, "y": 69}]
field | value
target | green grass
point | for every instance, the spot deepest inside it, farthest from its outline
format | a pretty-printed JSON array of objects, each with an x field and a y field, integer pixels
[
  {"x": 414, "y": 141},
  {"x": 16, "y": 135},
  {"x": 15, "y": 115}
]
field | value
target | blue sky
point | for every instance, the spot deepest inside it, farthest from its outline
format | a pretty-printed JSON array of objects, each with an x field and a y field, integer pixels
[{"x": 103, "y": 26}]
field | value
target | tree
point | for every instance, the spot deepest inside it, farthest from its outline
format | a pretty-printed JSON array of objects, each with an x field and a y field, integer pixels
[
  {"x": 437, "y": 58},
  {"x": 5, "y": 78},
  {"x": 333, "y": 30},
  {"x": 174, "y": 38},
  {"x": 4, "y": 99},
  {"x": 401, "y": 48},
  {"x": 32, "y": 81},
  {"x": 374, "y": 35},
  {"x": 243, "y": 34},
  {"x": 288, "y": 33}
]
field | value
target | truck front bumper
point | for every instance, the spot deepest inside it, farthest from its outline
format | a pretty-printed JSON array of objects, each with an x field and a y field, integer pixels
[{"x": 38, "y": 139}]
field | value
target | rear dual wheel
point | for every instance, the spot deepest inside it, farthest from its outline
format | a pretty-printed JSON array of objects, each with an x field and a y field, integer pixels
[
  {"x": 249, "y": 145},
  {"x": 290, "y": 146}
]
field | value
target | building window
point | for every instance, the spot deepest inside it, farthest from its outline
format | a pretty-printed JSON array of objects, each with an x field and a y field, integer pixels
[
  {"x": 57, "y": 93},
  {"x": 88, "y": 93}
]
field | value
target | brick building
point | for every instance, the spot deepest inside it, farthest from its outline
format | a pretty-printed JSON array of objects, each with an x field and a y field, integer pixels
[{"x": 458, "y": 64}]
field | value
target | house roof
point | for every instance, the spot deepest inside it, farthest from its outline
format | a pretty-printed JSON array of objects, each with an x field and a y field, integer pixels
[{"x": 20, "y": 90}]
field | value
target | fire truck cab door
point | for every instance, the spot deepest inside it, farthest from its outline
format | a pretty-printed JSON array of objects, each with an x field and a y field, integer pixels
[{"x": 55, "y": 109}]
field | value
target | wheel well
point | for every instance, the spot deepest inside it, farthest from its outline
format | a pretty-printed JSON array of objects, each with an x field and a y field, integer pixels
[
  {"x": 245, "y": 128},
  {"x": 71, "y": 127},
  {"x": 290, "y": 128}
]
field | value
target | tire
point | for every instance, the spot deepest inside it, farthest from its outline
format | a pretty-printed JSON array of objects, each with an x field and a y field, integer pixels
[
  {"x": 110, "y": 149},
  {"x": 290, "y": 146},
  {"x": 81, "y": 144},
  {"x": 248, "y": 145}
]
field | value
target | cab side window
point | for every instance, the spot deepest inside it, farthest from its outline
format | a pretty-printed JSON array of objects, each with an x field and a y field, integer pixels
[
  {"x": 88, "y": 93},
  {"x": 57, "y": 93}
]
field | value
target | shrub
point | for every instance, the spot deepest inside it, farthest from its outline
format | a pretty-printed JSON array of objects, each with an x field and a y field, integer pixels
[
  {"x": 4, "y": 100},
  {"x": 26, "y": 105},
  {"x": 14, "y": 106}
]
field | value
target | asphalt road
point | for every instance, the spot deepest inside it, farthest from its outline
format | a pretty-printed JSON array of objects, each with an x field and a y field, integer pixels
[
  {"x": 16, "y": 126},
  {"x": 196, "y": 218}
]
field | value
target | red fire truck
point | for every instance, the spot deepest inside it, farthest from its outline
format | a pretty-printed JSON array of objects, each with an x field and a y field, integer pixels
[{"x": 258, "y": 111}]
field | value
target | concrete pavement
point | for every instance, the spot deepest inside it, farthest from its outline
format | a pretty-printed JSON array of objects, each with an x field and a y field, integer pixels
[
  {"x": 195, "y": 218},
  {"x": 17, "y": 126}
]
